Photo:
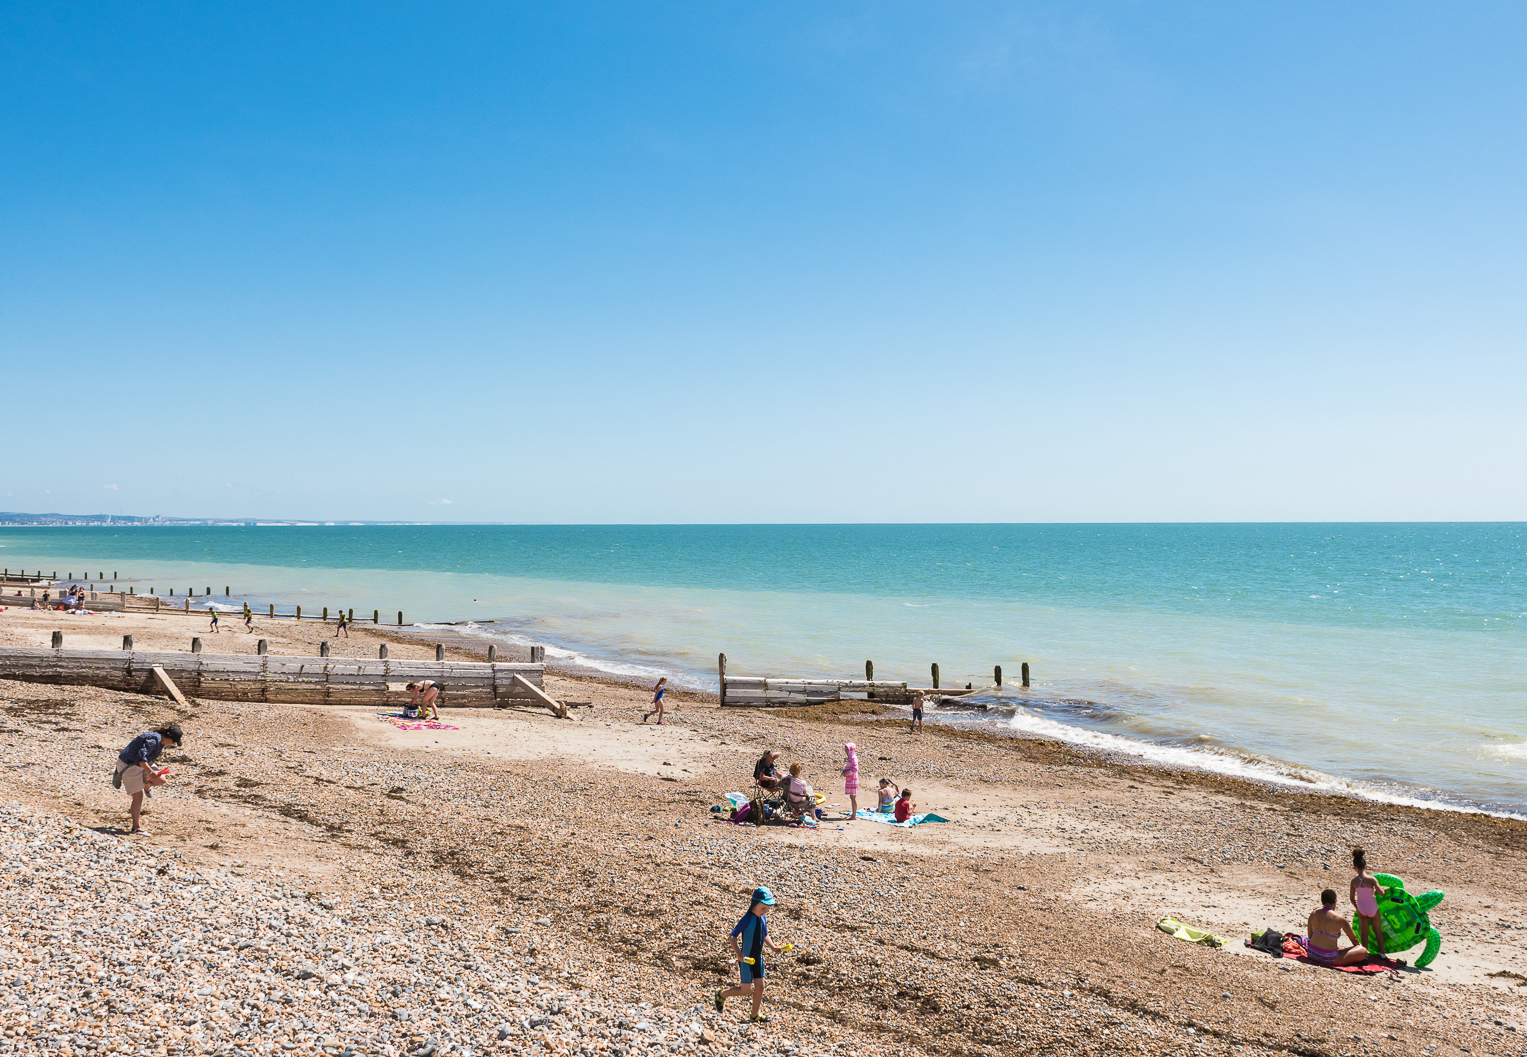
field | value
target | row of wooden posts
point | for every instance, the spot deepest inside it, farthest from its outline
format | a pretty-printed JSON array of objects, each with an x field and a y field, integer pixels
[
  {"x": 262, "y": 648},
  {"x": 996, "y": 674}
]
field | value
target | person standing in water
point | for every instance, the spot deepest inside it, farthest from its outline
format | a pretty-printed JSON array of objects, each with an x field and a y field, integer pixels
[
  {"x": 1363, "y": 892},
  {"x": 657, "y": 701}
]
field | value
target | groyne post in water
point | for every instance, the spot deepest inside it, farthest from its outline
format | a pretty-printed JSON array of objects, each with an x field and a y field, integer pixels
[
  {"x": 376, "y": 616},
  {"x": 721, "y": 668},
  {"x": 400, "y": 618},
  {"x": 869, "y": 677},
  {"x": 996, "y": 676},
  {"x": 299, "y": 612},
  {"x": 935, "y": 675},
  {"x": 325, "y": 614},
  {"x": 1025, "y": 675},
  {"x": 273, "y": 611}
]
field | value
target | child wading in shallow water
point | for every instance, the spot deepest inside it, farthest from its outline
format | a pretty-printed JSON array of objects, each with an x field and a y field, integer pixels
[
  {"x": 753, "y": 931},
  {"x": 1364, "y": 891}
]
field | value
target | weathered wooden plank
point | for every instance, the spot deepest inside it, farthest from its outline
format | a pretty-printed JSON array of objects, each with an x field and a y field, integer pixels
[{"x": 169, "y": 684}]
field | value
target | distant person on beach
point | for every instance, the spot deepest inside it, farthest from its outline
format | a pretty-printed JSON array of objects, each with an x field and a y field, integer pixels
[
  {"x": 1330, "y": 926},
  {"x": 851, "y": 778},
  {"x": 657, "y": 701},
  {"x": 425, "y": 693},
  {"x": 213, "y": 628},
  {"x": 917, "y": 712},
  {"x": 248, "y": 619},
  {"x": 887, "y": 794},
  {"x": 1364, "y": 892},
  {"x": 763, "y": 771},
  {"x": 905, "y": 808},
  {"x": 134, "y": 771},
  {"x": 344, "y": 625},
  {"x": 753, "y": 932}
]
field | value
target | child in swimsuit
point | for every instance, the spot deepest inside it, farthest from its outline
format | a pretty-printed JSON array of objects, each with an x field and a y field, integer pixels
[
  {"x": 888, "y": 793},
  {"x": 1364, "y": 892}
]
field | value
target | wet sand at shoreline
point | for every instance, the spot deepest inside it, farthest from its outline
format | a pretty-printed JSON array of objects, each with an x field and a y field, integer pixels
[{"x": 1025, "y": 924}]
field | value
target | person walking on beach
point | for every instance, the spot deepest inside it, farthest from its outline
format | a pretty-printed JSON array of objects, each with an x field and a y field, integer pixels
[
  {"x": 134, "y": 772},
  {"x": 248, "y": 619},
  {"x": 753, "y": 932},
  {"x": 1363, "y": 892},
  {"x": 425, "y": 693},
  {"x": 851, "y": 778},
  {"x": 213, "y": 628},
  {"x": 657, "y": 701},
  {"x": 1331, "y": 926},
  {"x": 344, "y": 625},
  {"x": 917, "y": 713}
]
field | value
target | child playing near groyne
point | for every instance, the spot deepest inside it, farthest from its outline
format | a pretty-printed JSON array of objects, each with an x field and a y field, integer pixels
[
  {"x": 753, "y": 932},
  {"x": 1363, "y": 892}
]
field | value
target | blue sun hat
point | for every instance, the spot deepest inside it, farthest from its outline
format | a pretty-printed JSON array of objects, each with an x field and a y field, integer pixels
[{"x": 763, "y": 895}]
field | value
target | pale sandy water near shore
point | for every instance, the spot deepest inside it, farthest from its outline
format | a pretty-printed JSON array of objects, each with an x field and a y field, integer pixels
[{"x": 1025, "y": 925}]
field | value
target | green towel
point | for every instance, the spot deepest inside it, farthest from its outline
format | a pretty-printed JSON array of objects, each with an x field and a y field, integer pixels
[{"x": 1172, "y": 927}]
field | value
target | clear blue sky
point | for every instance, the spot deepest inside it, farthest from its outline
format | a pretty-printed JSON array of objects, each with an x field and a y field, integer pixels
[{"x": 765, "y": 262}]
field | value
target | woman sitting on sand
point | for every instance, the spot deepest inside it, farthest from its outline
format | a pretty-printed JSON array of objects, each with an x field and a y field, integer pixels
[{"x": 1328, "y": 927}]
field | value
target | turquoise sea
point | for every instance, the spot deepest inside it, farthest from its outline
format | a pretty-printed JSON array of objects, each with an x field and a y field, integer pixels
[{"x": 1385, "y": 659}]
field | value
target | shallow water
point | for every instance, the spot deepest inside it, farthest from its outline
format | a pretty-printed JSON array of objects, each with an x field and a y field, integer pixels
[{"x": 1390, "y": 660}]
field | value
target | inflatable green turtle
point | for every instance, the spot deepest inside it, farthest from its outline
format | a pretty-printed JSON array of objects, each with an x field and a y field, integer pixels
[{"x": 1405, "y": 919}]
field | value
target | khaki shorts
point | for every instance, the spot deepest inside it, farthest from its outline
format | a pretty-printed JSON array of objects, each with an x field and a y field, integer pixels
[{"x": 132, "y": 777}]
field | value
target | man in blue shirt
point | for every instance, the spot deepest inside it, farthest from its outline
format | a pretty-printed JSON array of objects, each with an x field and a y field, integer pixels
[
  {"x": 753, "y": 933},
  {"x": 134, "y": 770}
]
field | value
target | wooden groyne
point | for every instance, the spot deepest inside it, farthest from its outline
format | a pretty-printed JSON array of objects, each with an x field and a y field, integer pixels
[
  {"x": 285, "y": 680},
  {"x": 755, "y": 691}
]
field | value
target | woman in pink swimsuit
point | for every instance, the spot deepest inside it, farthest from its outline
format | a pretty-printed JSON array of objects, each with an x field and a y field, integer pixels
[
  {"x": 1363, "y": 892},
  {"x": 1327, "y": 927}
]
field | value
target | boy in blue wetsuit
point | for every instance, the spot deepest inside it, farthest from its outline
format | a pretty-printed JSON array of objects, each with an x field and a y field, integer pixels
[{"x": 753, "y": 932}]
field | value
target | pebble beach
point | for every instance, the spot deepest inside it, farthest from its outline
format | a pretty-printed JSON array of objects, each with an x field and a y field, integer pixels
[{"x": 319, "y": 880}]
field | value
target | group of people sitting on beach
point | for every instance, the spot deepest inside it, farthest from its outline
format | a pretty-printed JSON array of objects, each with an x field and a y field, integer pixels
[{"x": 798, "y": 796}]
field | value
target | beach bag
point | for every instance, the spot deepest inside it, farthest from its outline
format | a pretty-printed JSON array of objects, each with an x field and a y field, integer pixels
[
  {"x": 1269, "y": 940},
  {"x": 116, "y": 777}
]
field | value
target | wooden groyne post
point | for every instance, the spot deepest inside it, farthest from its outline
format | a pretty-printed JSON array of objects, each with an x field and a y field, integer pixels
[{"x": 1025, "y": 675}]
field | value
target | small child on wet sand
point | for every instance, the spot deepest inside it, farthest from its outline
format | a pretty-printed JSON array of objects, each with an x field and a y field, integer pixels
[
  {"x": 1363, "y": 892},
  {"x": 657, "y": 701},
  {"x": 904, "y": 806},
  {"x": 851, "y": 779},
  {"x": 753, "y": 930}
]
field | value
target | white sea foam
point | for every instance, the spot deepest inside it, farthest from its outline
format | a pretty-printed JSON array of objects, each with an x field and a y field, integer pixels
[
  {"x": 1229, "y": 763},
  {"x": 579, "y": 660}
]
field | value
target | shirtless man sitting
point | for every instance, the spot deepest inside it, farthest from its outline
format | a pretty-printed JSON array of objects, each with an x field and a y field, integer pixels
[
  {"x": 1328, "y": 927},
  {"x": 764, "y": 772}
]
